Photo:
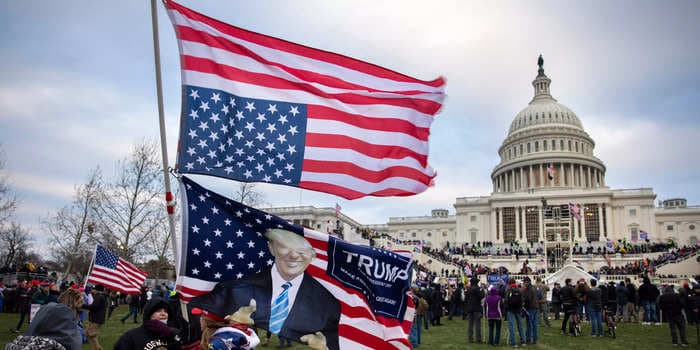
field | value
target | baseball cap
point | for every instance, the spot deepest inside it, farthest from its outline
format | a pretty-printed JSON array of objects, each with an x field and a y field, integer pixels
[{"x": 213, "y": 316}]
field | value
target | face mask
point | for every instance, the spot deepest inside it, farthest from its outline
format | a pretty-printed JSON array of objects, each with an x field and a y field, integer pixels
[{"x": 164, "y": 321}]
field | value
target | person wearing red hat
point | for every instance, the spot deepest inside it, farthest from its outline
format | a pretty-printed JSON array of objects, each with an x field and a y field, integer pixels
[{"x": 23, "y": 294}]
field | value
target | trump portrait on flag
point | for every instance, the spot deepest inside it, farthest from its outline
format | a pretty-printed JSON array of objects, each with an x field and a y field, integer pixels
[{"x": 287, "y": 298}]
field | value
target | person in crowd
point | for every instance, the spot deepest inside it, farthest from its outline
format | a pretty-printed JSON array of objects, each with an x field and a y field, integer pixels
[
  {"x": 134, "y": 301},
  {"x": 621, "y": 294},
  {"x": 595, "y": 308},
  {"x": 41, "y": 296},
  {"x": 54, "y": 326},
  {"x": 96, "y": 318},
  {"x": 2, "y": 297},
  {"x": 611, "y": 303},
  {"x": 23, "y": 295},
  {"x": 421, "y": 310},
  {"x": 581, "y": 291},
  {"x": 435, "y": 306},
  {"x": 474, "y": 310},
  {"x": 686, "y": 295},
  {"x": 154, "y": 333},
  {"x": 457, "y": 300},
  {"x": 113, "y": 300},
  {"x": 493, "y": 308},
  {"x": 671, "y": 307},
  {"x": 542, "y": 290},
  {"x": 648, "y": 293},
  {"x": 568, "y": 303},
  {"x": 556, "y": 301},
  {"x": 514, "y": 308},
  {"x": 630, "y": 311},
  {"x": 415, "y": 332},
  {"x": 532, "y": 306}
]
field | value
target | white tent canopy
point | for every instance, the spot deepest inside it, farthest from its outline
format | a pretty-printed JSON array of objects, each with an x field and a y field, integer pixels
[{"x": 568, "y": 271}]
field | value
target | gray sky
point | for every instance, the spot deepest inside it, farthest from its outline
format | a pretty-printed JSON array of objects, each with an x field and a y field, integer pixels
[{"x": 78, "y": 86}]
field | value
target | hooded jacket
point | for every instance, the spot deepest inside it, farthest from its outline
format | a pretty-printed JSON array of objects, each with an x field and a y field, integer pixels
[
  {"x": 493, "y": 305},
  {"x": 647, "y": 291},
  {"x": 146, "y": 337},
  {"x": 52, "y": 323},
  {"x": 474, "y": 297}
]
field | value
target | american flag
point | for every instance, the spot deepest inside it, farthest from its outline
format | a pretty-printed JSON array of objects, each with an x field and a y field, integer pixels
[
  {"x": 643, "y": 234},
  {"x": 116, "y": 273},
  {"x": 223, "y": 240},
  {"x": 575, "y": 209},
  {"x": 261, "y": 109},
  {"x": 550, "y": 171}
]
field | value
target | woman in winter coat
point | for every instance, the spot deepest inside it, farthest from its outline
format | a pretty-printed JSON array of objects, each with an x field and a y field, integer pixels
[
  {"x": 154, "y": 333},
  {"x": 493, "y": 308},
  {"x": 54, "y": 327}
]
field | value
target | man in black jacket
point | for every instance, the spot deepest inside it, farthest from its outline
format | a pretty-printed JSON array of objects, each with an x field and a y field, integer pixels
[
  {"x": 556, "y": 301},
  {"x": 670, "y": 305},
  {"x": 568, "y": 302},
  {"x": 648, "y": 293},
  {"x": 474, "y": 297},
  {"x": 98, "y": 313}
]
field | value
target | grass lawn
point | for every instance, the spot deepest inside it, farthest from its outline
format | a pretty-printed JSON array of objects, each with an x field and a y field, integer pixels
[{"x": 452, "y": 335}]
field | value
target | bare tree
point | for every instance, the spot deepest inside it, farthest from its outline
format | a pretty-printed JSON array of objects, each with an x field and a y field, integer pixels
[
  {"x": 8, "y": 198},
  {"x": 14, "y": 243},
  {"x": 131, "y": 209},
  {"x": 72, "y": 227},
  {"x": 249, "y": 195}
]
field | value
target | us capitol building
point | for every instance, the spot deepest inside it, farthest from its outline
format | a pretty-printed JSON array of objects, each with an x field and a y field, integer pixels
[{"x": 547, "y": 160}]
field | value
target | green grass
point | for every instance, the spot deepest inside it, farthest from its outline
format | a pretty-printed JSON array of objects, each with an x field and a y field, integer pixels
[{"x": 450, "y": 336}]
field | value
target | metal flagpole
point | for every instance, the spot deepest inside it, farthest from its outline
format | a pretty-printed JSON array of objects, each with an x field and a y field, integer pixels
[
  {"x": 94, "y": 256},
  {"x": 170, "y": 203}
]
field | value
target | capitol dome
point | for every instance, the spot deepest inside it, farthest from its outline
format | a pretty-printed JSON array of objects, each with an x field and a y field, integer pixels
[{"x": 546, "y": 147}]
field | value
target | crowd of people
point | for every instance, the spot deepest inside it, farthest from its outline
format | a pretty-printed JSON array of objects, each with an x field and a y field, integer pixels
[{"x": 524, "y": 306}]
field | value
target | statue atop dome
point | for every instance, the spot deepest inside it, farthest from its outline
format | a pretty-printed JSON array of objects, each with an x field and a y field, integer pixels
[{"x": 540, "y": 63}]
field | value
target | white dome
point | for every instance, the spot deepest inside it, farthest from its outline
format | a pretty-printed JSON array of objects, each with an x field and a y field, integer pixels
[{"x": 544, "y": 111}]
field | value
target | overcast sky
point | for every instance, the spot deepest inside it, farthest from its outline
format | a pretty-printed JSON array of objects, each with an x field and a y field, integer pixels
[{"x": 78, "y": 86}]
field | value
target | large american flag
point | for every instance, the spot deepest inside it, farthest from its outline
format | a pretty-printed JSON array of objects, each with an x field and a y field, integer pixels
[
  {"x": 261, "y": 109},
  {"x": 223, "y": 240},
  {"x": 116, "y": 273}
]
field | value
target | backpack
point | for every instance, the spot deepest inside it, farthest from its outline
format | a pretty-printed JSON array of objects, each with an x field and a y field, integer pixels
[
  {"x": 515, "y": 299},
  {"x": 539, "y": 294}
]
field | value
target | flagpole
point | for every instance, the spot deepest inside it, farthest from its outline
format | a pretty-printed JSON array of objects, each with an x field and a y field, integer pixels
[
  {"x": 92, "y": 263},
  {"x": 170, "y": 203}
]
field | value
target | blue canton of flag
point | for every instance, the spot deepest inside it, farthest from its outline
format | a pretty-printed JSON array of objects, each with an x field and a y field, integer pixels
[
  {"x": 222, "y": 240},
  {"x": 104, "y": 257},
  {"x": 239, "y": 138}
]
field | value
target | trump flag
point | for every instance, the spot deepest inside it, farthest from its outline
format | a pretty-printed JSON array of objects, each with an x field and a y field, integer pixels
[
  {"x": 261, "y": 109},
  {"x": 224, "y": 240}
]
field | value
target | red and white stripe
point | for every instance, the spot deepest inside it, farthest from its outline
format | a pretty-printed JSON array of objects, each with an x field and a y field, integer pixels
[
  {"x": 125, "y": 278},
  {"x": 367, "y": 126}
]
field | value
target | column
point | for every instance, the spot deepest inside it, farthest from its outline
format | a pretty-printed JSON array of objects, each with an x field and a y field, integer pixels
[
  {"x": 540, "y": 224},
  {"x": 602, "y": 178},
  {"x": 523, "y": 224},
  {"x": 517, "y": 223},
  {"x": 583, "y": 223},
  {"x": 522, "y": 178},
  {"x": 512, "y": 180},
  {"x": 561, "y": 174},
  {"x": 601, "y": 223},
  {"x": 571, "y": 176},
  {"x": 580, "y": 176},
  {"x": 531, "y": 177},
  {"x": 541, "y": 177},
  {"x": 608, "y": 220},
  {"x": 494, "y": 228},
  {"x": 500, "y": 224},
  {"x": 590, "y": 183}
]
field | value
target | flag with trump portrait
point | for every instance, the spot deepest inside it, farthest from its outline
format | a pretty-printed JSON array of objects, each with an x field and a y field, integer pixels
[
  {"x": 224, "y": 240},
  {"x": 262, "y": 109}
]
